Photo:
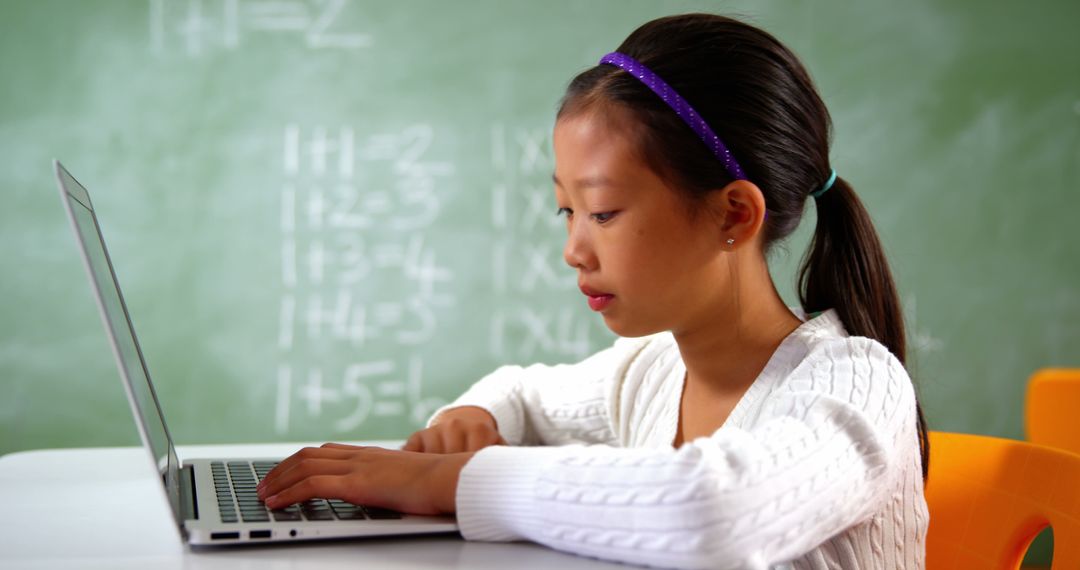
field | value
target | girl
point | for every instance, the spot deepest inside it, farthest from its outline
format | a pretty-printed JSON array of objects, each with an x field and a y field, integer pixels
[{"x": 724, "y": 430}]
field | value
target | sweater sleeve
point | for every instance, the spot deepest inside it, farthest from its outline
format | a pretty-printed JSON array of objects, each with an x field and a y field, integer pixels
[
  {"x": 553, "y": 405},
  {"x": 827, "y": 449}
]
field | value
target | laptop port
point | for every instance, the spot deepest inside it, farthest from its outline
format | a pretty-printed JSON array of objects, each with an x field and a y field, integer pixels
[
  {"x": 225, "y": 536},
  {"x": 259, "y": 534}
]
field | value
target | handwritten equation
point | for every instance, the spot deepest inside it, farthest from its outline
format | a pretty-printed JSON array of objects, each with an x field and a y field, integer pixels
[
  {"x": 197, "y": 27},
  {"x": 360, "y": 279}
]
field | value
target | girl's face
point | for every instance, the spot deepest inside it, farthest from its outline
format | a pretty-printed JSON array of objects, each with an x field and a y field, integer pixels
[{"x": 643, "y": 262}]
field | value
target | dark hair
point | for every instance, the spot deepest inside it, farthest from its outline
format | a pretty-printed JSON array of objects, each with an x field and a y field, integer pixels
[{"x": 760, "y": 100}]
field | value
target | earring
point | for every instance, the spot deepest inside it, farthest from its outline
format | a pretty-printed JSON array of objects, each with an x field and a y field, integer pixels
[{"x": 731, "y": 241}]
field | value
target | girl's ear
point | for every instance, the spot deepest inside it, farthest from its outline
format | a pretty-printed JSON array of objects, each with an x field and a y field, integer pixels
[{"x": 739, "y": 208}]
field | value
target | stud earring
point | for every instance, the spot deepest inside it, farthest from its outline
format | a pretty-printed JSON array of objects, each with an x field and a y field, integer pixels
[{"x": 731, "y": 241}]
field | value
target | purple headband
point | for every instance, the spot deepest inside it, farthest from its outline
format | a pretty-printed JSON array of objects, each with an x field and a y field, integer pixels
[{"x": 680, "y": 106}]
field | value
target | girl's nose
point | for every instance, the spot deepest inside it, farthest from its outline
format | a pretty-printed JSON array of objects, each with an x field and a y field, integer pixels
[{"x": 578, "y": 251}]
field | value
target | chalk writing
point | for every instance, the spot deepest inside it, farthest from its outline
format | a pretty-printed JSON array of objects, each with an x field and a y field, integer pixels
[
  {"x": 198, "y": 26},
  {"x": 360, "y": 279},
  {"x": 526, "y": 256}
]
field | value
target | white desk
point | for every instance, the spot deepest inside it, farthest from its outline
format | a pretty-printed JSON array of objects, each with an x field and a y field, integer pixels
[{"x": 103, "y": 508}]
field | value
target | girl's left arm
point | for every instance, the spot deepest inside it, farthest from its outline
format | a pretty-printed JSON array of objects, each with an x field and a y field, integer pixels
[{"x": 418, "y": 483}]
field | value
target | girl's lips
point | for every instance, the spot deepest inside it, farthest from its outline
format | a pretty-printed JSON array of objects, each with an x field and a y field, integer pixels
[
  {"x": 600, "y": 302},
  {"x": 590, "y": 291}
]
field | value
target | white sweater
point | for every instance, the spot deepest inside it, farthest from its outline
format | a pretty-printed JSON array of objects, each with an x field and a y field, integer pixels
[{"x": 816, "y": 467}]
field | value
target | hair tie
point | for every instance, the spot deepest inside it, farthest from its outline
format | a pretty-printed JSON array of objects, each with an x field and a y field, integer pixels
[
  {"x": 681, "y": 107},
  {"x": 825, "y": 188}
]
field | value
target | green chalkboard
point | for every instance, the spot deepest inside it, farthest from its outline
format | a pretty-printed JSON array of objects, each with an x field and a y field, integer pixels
[{"x": 329, "y": 217}]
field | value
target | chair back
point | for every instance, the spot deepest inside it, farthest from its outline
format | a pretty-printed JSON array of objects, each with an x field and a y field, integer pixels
[
  {"x": 989, "y": 497},
  {"x": 1052, "y": 410}
]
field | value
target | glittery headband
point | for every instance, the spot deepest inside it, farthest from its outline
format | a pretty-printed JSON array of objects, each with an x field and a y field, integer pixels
[{"x": 680, "y": 106}]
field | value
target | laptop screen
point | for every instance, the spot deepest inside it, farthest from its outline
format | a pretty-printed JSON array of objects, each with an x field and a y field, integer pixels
[{"x": 121, "y": 334}]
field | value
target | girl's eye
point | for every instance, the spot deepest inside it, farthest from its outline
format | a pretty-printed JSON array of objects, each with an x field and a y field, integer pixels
[
  {"x": 564, "y": 212},
  {"x": 603, "y": 217}
]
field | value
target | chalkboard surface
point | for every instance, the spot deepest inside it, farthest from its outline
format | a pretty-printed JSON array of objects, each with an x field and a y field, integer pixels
[{"x": 330, "y": 217}]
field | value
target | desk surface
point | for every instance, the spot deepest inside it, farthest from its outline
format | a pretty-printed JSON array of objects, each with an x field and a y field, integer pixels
[{"x": 103, "y": 508}]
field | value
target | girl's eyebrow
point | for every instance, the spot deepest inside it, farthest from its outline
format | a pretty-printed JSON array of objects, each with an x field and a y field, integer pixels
[{"x": 587, "y": 182}]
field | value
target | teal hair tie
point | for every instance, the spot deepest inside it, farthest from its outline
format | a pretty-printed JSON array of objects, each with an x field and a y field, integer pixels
[{"x": 825, "y": 188}]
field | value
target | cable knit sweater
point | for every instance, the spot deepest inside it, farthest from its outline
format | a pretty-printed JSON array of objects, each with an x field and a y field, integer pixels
[{"x": 816, "y": 467}]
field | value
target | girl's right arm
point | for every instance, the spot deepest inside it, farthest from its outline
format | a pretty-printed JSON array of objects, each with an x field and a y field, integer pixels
[
  {"x": 534, "y": 405},
  {"x": 833, "y": 447}
]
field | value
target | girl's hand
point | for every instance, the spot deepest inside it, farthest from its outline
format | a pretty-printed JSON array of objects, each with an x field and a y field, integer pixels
[
  {"x": 467, "y": 428},
  {"x": 415, "y": 483}
]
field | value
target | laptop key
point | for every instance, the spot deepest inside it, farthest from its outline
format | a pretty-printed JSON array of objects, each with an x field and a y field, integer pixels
[{"x": 280, "y": 515}]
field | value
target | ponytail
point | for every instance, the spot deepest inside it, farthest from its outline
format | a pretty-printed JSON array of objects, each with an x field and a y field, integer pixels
[{"x": 845, "y": 269}]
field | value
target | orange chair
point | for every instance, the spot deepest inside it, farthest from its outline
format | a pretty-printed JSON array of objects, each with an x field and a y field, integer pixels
[
  {"x": 990, "y": 497},
  {"x": 1052, "y": 410}
]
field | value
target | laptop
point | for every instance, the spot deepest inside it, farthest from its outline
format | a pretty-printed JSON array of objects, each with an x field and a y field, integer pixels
[{"x": 212, "y": 500}]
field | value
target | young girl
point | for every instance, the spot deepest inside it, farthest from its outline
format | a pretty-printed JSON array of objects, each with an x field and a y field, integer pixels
[{"x": 724, "y": 430}]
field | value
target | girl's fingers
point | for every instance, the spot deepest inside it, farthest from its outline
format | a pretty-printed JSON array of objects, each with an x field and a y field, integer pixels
[
  {"x": 304, "y": 454},
  {"x": 453, "y": 441},
  {"x": 431, "y": 442},
  {"x": 479, "y": 439},
  {"x": 300, "y": 471},
  {"x": 414, "y": 443},
  {"x": 321, "y": 486},
  {"x": 344, "y": 446},
  {"x": 451, "y": 437}
]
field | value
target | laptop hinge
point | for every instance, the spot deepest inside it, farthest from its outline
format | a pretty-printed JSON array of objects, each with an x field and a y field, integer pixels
[{"x": 188, "y": 499}]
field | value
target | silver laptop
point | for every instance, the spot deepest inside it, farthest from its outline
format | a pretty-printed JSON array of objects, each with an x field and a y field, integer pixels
[{"x": 212, "y": 500}]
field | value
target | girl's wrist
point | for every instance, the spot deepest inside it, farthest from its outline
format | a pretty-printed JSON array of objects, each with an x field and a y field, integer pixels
[{"x": 447, "y": 475}]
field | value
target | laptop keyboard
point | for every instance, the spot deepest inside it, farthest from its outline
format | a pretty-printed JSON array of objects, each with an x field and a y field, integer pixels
[{"x": 235, "y": 481}]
